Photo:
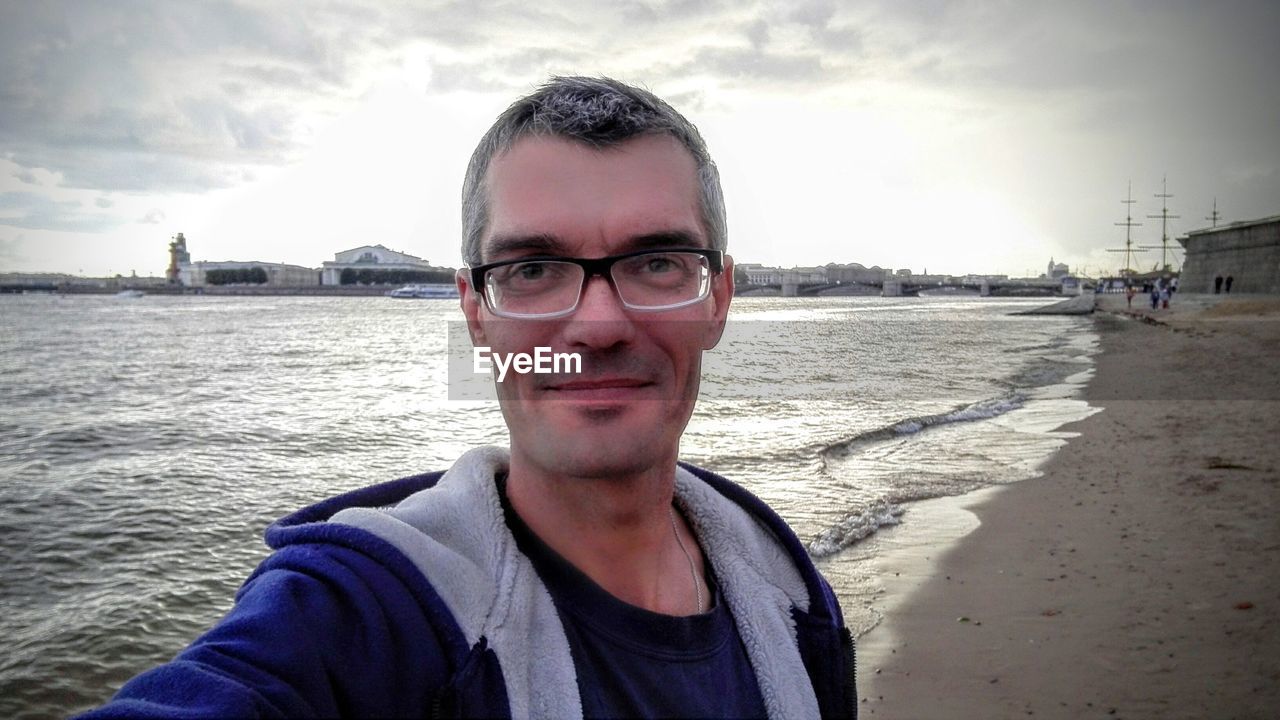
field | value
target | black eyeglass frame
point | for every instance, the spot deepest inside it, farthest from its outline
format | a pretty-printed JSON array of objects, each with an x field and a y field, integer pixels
[{"x": 591, "y": 267}]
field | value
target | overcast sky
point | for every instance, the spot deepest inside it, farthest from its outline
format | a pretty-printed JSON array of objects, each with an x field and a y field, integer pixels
[{"x": 957, "y": 137}]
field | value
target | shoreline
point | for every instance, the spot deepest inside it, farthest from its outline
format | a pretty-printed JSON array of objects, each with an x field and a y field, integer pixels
[
  {"x": 217, "y": 290},
  {"x": 1135, "y": 577}
]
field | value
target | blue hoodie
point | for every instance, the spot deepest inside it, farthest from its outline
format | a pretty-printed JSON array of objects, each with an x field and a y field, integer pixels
[{"x": 411, "y": 599}]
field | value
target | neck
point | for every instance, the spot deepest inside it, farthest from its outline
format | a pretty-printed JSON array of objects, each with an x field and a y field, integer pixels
[{"x": 616, "y": 530}]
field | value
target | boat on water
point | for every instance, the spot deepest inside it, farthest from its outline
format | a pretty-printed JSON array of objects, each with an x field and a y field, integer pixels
[
  {"x": 425, "y": 291},
  {"x": 130, "y": 293}
]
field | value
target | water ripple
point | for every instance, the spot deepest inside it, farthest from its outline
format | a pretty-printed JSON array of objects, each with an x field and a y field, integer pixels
[{"x": 145, "y": 446}]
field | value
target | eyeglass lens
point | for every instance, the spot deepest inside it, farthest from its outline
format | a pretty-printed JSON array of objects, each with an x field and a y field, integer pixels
[{"x": 651, "y": 281}]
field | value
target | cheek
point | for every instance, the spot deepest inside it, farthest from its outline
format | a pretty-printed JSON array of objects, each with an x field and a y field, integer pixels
[
  {"x": 683, "y": 350},
  {"x": 510, "y": 336},
  {"x": 506, "y": 337}
]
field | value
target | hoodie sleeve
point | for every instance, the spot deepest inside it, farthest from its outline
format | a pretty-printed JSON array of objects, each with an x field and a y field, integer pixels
[{"x": 318, "y": 630}]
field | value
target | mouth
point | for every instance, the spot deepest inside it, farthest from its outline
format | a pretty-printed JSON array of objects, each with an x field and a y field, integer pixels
[{"x": 599, "y": 390}]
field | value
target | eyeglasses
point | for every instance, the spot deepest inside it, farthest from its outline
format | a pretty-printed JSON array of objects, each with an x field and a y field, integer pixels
[{"x": 550, "y": 287}]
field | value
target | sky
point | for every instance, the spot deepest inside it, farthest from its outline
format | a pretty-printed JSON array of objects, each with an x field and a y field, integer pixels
[{"x": 983, "y": 137}]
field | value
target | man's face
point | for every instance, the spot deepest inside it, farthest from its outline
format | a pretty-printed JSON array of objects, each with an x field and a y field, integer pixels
[{"x": 640, "y": 370}]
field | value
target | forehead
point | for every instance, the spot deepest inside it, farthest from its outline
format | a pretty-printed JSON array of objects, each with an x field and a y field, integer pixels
[{"x": 585, "y": 201}]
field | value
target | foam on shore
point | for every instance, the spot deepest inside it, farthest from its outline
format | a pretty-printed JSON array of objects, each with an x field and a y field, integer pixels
[{"x": 1135, "y": 578}]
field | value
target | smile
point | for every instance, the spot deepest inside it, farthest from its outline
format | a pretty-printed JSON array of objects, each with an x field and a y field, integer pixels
[{"x": 599, "y": 390}]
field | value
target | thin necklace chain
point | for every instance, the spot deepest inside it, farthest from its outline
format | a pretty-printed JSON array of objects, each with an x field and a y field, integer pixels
[{"x": 693, "y": 570}]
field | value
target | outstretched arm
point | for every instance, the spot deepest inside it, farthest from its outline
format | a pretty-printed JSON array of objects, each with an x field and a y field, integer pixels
[{"x": 318, "y": 630}]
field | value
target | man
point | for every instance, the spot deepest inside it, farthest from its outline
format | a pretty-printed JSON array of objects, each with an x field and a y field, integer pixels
[{"x": 584, "y": 572}]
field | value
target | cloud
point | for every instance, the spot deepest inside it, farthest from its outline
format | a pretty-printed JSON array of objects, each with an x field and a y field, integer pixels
[
  {"x": 37, "y": 212},
  {"x": 757, "y": 67},
  {"x": 153, "y": 217},
  {"x": 139, "y": 96},
  {"x": 103, "y": 202},
  {"x": 38, "y": 176},
  {"x": 664, "y": 45},
  {"x": 688, "y": 101},
  {"x": 159, "y": 96},
  {"x": 9, "y": 249}
]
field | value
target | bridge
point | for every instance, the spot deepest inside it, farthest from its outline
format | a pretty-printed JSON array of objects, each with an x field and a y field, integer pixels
[
  {"x": 26, "y": 287},
  {"x": 905, "y": 287}
]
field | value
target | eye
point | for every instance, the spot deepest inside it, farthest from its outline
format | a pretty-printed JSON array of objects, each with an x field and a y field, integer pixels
[
  {"x": 524, "y": 272},
  {"x": 530, "y": 271},
  {"x": 659, "y": 264},
  {"x": 533, "y": 275}
]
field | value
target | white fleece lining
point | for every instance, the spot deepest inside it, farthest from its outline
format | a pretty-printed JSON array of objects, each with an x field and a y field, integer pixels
[
  {"x": 455, "y": 533},
  {"x": 761, "y": 584}
]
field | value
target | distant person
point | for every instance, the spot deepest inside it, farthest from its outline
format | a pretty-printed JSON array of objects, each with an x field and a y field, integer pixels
[
  {"x": 1129, "y": 292},
  {"x": 1217, "y": 285},
  {"x": 1230, "y": 279},
  {"x": 582, "y": 572},
  {"x": 1164, "y": 297},
  {"x": 1155, "y": 297}
]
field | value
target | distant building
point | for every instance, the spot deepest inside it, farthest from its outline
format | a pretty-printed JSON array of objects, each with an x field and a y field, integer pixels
[
  {"x": 379, "y": 261},
  {"x": 18, "y": 279},
  {"x": 231, "y": 272},
  {"x": 854, "y": 273},
  {"x": 203, "y": 272},
  {"x": 1240, "y": 257},
  {"x": 1057, "y": 271},
  {"x": 758, "y": 274},
  {"x": 17, "y": 282},
  {"x": 761, "y": 275},
  {"x": 807, "y": 275},
  {"x": 178, "y": 256},
  {"x": 975, "y": 279},
  {"x": 927, "y": 279}
]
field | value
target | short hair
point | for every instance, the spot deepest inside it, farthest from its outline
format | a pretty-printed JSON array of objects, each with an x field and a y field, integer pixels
[{"x": 598, "y": 112}]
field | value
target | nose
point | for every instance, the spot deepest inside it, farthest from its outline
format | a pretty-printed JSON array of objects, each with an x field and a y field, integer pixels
[{"x": 600, "y": 321}]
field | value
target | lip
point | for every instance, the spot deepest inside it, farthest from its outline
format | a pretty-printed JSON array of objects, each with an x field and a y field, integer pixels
[
  {"x": 609, "y": 389},
  {"x": 600, "y": 383}
]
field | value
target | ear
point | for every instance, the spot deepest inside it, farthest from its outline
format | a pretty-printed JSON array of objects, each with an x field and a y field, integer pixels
[
  {"x": 472, "y": 306},
  {"x": 721, "y": 295}
]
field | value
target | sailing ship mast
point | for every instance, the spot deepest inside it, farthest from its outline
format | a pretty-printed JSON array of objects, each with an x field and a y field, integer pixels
[
  {"x": 1128, "y": 225},
  {"x": 1164, "y": 225},
  {"x": 1215, "y": 215}
]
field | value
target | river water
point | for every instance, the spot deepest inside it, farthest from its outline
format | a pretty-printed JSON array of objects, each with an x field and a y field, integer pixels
[{"x": 146, "y": 443}]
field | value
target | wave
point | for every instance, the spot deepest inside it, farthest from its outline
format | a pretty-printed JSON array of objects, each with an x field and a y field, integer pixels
[
  {"x": 854, "y": 527},
  {"x": 981, "y": 410}
]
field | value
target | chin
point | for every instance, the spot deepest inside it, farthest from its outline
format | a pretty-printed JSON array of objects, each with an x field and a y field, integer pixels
[
  {"x": 597, "y": 437},
  {"x": 601, "y": 452}
]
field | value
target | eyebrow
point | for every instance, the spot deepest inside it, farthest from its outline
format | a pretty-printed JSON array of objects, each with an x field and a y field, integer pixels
[
  {"x": 545, "y": 244},
  {"x": 501, "y": 245},
  {"x": 662, "y": 239}
]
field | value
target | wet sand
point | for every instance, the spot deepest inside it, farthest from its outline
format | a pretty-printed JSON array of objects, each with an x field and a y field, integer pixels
[{"x": 1139, "y": 576}]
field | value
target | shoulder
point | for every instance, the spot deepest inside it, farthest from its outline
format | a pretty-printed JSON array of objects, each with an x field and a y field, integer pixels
[
  {"x": 435, "y": 538},
  {"x": 758, "y": 534},
  {"x": 449, "y": 537},
  {"x": 317, "y": 629},
  {"x": 784, "y": 609}
]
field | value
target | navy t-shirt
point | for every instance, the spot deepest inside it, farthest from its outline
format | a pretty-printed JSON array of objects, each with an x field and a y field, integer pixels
[{"x": 632, "y": 662}]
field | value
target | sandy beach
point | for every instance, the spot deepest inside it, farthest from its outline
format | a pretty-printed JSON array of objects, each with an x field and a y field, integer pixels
[{"x": 1139, "y": 576}]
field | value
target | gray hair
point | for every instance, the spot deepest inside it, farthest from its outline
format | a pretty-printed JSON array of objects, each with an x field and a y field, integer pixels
[{"x": 600, "y": 113}]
